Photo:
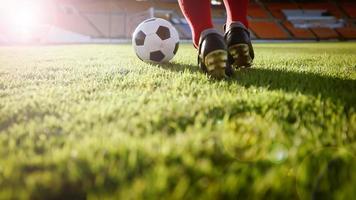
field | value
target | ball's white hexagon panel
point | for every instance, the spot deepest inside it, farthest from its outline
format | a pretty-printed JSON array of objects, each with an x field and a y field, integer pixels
[
  {"x": 142, "y": 53},
  {"x": 153, "y": 43}
]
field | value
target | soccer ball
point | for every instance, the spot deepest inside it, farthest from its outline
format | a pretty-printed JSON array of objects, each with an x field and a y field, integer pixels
[{"x": 155, "y": 40}]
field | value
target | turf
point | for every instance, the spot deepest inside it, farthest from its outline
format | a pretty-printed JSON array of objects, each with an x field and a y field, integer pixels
[{"x": 95, "y": 122}]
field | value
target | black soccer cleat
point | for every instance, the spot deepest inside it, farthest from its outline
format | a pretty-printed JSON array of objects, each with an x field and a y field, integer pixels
[
  {"x": 237, "y": 38},
  {"x": 213, "y": 54}
]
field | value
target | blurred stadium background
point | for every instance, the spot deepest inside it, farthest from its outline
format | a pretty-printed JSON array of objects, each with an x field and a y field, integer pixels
[{"x": 113, "y": 21}]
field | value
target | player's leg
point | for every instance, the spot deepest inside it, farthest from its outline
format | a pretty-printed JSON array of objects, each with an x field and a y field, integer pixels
[
  {"x": 212, "y": 50},
  {"x": 236, "y": 11},
  {"x": 198, "y": 15},
  {"x": 237, "y": 36}
]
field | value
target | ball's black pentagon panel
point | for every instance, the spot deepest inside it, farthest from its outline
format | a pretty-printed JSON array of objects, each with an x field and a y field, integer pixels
[
  {"x": 149, "y": 20},
  {"x": 163, "y": 33},
  {"x": 156, "y": 56},
  {"x": 176, "y": 48},
  {"x": 140, "y": 38}
]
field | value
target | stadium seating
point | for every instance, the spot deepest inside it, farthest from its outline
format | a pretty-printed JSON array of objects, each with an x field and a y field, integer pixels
[
  {"x": 325, "y": 33},
  {"x": 312, "y": 18},
  {"x": 118, "y": 19},
  {"x": 299, "y": 33},
  {"x": 255, "y": 11},
  {"x": 269, "y": 23},
  {"x": 276, "y": 9},
  {"x": 100, "y": 22},
  {"x": 267, "y": 30},
  {"x": 95, "y": 6},
  {"x": 76, "y": 23},
  {"x": 350, "y": 9},
  {"x": 348, "y": 32},
  {"x": 117, "y": 30},
  {"x": 327, "y": 6}
]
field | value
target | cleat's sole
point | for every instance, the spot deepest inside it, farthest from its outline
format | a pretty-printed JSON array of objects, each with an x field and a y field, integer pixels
[
  {"x": 241, "y": 55},
  {"x": 216, "y": 62}
]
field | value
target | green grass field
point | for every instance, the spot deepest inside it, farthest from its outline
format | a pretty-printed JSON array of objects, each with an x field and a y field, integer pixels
[{"x": 94, "y": 122}]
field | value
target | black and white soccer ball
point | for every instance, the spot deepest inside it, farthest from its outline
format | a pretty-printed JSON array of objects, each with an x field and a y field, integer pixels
[{"x": 155, "y": 40}]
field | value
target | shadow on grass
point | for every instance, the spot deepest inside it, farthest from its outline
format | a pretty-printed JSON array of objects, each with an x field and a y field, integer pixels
[
  {"x": 337, "y": 89},
  {"x": 178, "y": 67}
]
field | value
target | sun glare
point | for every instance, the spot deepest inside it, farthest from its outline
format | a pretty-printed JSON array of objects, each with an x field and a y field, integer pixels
[
  {"x": 22, "y": 18},
  {"x": 25, "y": 18}
]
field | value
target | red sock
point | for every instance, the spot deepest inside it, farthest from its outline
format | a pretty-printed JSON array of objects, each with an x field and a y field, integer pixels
[
  {"x": 198, "y": 15},
  {"x": 236, "y": 11}
]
